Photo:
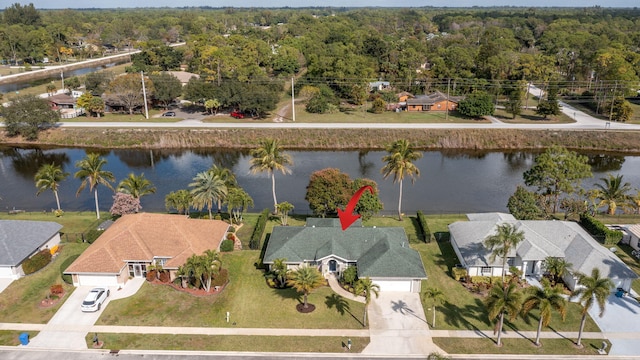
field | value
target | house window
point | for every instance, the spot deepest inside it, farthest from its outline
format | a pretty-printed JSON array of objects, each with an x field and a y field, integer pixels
[
  {"x": 425, "y": 107},
  {"x": 160, "y": 261},
  {"x": 486, "y": 271},
  {"x": 510, "y": 261}
]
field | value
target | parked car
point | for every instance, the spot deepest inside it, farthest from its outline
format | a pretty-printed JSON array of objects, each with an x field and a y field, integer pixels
[
  {"x": 94, "y": 299},
  {"x": 169, "y": 114},
  {"x": 237, "y": 114}
]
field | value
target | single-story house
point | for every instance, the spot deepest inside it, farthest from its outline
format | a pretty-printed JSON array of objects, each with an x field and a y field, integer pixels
[
  {"x": 382, "y": 254},
  {"x": 634, "y": 236},
  {"x": 183, "y": 76},
  {"x": 135, "y": 241},
  {"x": 433, "y": 102},
  {"x": 61, "y": 101},
  {"x": 542, "y": 239},
  {"x": 20, "y": 240}
]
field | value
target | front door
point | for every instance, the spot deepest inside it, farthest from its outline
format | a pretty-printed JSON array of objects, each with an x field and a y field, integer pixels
[
  {"x": 333, "y": 266},
  {"x": 137, "y": 270}
]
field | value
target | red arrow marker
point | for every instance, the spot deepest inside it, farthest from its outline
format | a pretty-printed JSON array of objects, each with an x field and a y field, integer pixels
[{"x": 347, "y": 217}]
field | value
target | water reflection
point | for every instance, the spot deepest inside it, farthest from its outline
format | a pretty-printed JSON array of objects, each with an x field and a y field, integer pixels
[{"x": 450, "y": 182}]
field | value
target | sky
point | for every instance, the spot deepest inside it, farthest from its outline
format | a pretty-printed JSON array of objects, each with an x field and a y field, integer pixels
[{"x": 63, "y": 4}]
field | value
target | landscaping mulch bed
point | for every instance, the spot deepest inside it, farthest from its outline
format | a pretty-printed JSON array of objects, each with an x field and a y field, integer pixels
[
  {"x": 47, "y": 303},
  {"x": 301, "y": 309},
  {"x": 191, "y": 291}
]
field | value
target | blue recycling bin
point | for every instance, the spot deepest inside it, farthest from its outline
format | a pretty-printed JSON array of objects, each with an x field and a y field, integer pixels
[{"x": 24, "y": 339}]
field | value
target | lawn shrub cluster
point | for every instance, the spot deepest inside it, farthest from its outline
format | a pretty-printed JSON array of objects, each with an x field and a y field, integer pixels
[
  {"x": 459, "y": 273},
  {"x": 65, "y": 264},
  {"x": 36, "y": 262},
  {"x": 56, "y": 289},
  {"x": 424, "y": 227},
  {"x": 258, "y": 231},
  {"x": 226, "y": 245},
  {"x": 221, "y": 279},
  {"x": 599, "y": 230}
]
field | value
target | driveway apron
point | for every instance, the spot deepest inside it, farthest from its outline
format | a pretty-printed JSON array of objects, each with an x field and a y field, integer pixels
[
  {"x": 620, "y": 324},
  {"x": 398, "y": 326}
]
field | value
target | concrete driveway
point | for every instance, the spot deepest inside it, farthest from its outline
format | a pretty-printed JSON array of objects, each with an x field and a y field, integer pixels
[
  {"x": 398, "y": 326},
  {"x": 4, "y": 283},
  {"x": 620, "y": 324}
]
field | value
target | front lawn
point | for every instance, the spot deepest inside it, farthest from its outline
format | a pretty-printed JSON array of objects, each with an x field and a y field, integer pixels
[
  {"x": 19, "y": 303},
  {"x": 12, "y": 337},
  {"x": 73, "y": 222},
  {"x": 249, "y": 300},
  {"x": 519, "y": 346},
  {"x": 316, "y": 344}
]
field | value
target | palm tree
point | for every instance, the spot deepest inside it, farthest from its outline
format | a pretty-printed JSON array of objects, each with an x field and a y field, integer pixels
[
  {"x": 591, "y": 288},
  {"x": 136, "y": 186},
  {"x": 269, "y": 157},
  {"x": 180, "y": 200},
  {"x": 399, "y": 163},
  {"x": 283, "y": 209},
  {"x": 546, "y": 299},
  {"x": 238, "y": 201},
  {"x": 305, "y": 279},
  {"x": 206, "y": 189},
  {"x": 49, "y": 177},
  {"x": 279, "y": 267},
  {"x": 507, "y": 237},
  {"x": 365, "y": 287},
  {"x": 613, "y": 192},
  {"x": 557, "y": 267},
  {"x": 91, "y": 174},
  {"x": 502, "y": 299},
  {"x": 435, "y": 296},
  {"x": 211, "y": 266},
  {"x": 227, "y": 176}
]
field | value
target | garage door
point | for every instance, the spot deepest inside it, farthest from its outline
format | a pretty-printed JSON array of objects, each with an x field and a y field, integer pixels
[
  {"x": 394, "y": 285},
  {"x": 97, "y": 280}
]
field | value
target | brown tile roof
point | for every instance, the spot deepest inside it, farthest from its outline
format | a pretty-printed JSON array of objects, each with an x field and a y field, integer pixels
[{"x": 143, "y": 236}]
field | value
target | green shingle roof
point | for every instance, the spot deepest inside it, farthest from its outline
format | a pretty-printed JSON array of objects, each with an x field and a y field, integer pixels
[{"x": 378, "y": 252}]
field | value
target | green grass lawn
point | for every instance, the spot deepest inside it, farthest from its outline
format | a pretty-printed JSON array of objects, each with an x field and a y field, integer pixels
[
  {"x": 519, "y": 346},
  {"x": 319, "y": 344},
  {"x": 247, "y": 297},
  {"x": 19, "y": 303},
  {"x": 529, "y": 116},
  {"x": 72, "y": 222},
  {"x": 12, "y": 337}
]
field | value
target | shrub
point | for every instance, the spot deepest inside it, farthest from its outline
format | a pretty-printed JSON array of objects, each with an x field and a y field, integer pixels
[
  {"x": 92, "y": 235},
  {"x": 231, "y": 229},
  {"x": 256, "y": 236},
  {"x": 599, "y": 230},
  {"x": 151, "y": 275},
  {"x": 165, "y": 277},
  {"x": 65, "y": 264},
  {"x": 459, "y": 273},
  {"x": 56, "y": 289},
  {"x": 226, "y": 245},
  {"x": 221, "y": 279},
  {"x": 36, "y": 262},
  {"x": 424, "y": 227}
]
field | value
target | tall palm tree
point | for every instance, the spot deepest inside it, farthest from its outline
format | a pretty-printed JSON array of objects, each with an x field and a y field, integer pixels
[
  {"x": 91, "y": 174},
  {"x": 270, "y": 158},
  {"x": 283, "y": 209},
  {"x": 591, "y": 288},
  {"x": 557, "y": 267},
  {"x": 399, "y": 163},
  {"x": 305, "y": 279},
  {"x": 49, "y": 177},
  {"x": 546, "y": 299},
  {"x": 206, "y": 189},
  {"x": 279, "y": 267},
  {"x": 226, "y": 175},
  {"x": 613, "y": 192},
  {"x": 136, "y": 186},
  {"x": 435, "y": 296},
  {"x": 507, "y": 237},
  {"x": 180, "y": 200},
  {"x": 366, "y": 287},
  {"x": 503, "y": 299}
]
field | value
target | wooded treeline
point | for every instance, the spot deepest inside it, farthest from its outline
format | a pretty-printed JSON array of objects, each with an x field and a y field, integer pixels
[{"x": 591, "y": 52}]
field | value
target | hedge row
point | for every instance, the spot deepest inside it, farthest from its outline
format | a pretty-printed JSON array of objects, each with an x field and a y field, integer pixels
[
  {"x": 424, "y": 227},
  {"x": 258, "y": 231},
  {"x": 36, "y": 262},
  {"x": 65, "y": 264},
  {"x": 599, "y": 230}
]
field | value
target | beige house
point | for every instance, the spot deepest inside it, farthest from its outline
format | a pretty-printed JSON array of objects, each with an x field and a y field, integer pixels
[{"x": 135, "y": 241}]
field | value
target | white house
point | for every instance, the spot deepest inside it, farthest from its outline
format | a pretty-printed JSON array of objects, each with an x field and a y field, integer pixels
[
  {"x": 542, "y": 239},
  {"x": 20, "y": 240}
]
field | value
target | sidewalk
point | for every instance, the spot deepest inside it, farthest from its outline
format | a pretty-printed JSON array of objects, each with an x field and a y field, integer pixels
[{"x": 335, "y": 286}]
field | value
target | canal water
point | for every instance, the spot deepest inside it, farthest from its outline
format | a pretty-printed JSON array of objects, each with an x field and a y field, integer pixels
[{"x": 450, "y": 181}]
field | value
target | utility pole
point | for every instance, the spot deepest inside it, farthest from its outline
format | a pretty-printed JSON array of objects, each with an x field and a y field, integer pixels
[
  {"x": 144, "y": 94},
  {"x": 62, "y": 77},
  {"x": 613, "y": 100},
  {"x": 293, "y": 101},
  {"x": 446, "y": 114}
]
